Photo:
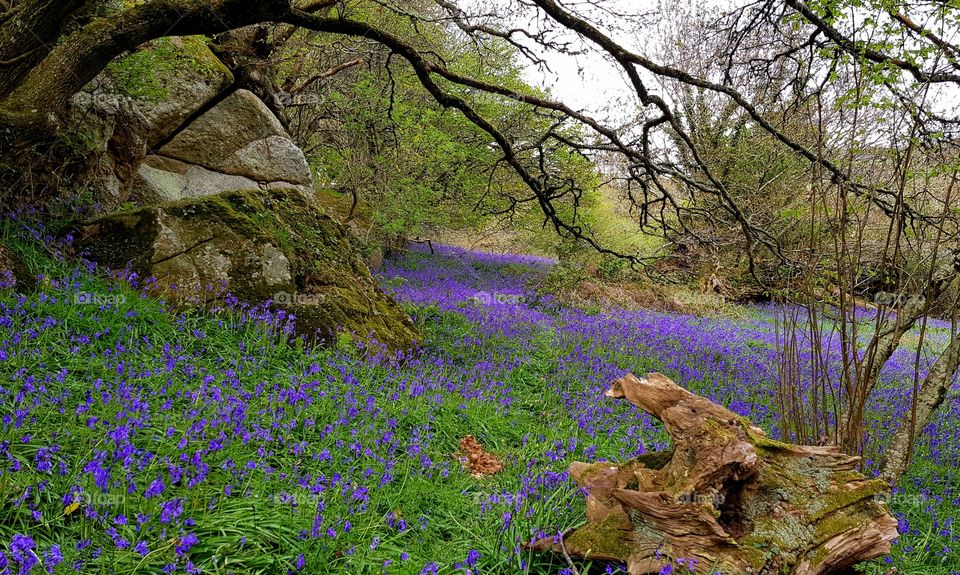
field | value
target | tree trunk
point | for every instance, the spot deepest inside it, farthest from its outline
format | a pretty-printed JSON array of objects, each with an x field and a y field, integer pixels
[
  {"x": 248, "y": 53},
  {"x": 727, "y": 497},
  {"x": 929, "y": 398},
  {"x": 30, "y": 104},
  {"x": 28, "y": 31}
]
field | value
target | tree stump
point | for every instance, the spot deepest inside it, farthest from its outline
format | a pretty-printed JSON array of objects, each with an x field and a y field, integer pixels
[{"x": 726, "y": 497}]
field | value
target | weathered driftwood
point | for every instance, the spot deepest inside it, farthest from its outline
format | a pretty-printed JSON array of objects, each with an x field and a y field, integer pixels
[{"x": 727, "y": 496}]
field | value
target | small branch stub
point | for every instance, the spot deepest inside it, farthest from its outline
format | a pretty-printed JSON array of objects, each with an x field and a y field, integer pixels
[{"x": 726, "y": 499}]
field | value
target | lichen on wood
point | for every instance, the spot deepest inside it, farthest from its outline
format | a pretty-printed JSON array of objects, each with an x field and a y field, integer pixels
[{"x": 727, "y": 499}]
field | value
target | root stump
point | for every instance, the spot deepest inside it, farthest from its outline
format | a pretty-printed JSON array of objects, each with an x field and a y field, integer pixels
[{"x": 727, "y": 497}]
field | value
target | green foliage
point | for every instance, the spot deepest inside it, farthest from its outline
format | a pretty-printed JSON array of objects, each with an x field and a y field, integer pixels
[
  {"x": 144, "y": 73},
  {"x": 255, "y": 530},
  {"x": 81, "y": 143},
  {"x": 419, "y": 167},
  {"x": 258, "y": 532}
]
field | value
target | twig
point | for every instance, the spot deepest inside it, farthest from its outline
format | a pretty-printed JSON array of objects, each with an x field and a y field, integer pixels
[{"x": 563, "y": 549}]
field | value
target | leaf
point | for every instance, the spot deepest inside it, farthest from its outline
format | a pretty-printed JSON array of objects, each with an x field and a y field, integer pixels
[{"x": 479, "y": 462}]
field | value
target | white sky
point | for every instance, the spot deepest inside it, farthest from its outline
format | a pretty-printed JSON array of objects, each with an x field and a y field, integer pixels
[
  {"x": 589, "y": 81},
  {"x": 585, "y": 82},
  {"x": 592, "y": 83}
]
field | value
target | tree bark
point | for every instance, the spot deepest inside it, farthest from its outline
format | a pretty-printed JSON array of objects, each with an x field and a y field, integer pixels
[
  {"x": 248, "y": 53},
  {"x": 931, "y": 396},
  {"x": 28, "y": 32},
  {"x": 727, "y": 497},
  {"x": 32, "y": 104}
]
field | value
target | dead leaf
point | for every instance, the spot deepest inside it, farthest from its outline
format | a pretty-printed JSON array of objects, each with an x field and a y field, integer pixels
[{"x": 478, "y": 462}]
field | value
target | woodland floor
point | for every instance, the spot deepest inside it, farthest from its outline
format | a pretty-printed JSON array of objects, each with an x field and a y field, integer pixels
[{"x": 136, "y": 438}]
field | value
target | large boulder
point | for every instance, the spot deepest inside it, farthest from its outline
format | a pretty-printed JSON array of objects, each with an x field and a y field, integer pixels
[
  {"x": 272, "y": 159},
  {"x": 187, "y": 88},
  {"x": 114, "y": 130},
  {"x": 186, "y": 134},
  {"x": 262, "y": 246},
  {"x": 161, "y": 180},
  {"x": 238, "y": 120},
  {"x": 236, "y": 144}
]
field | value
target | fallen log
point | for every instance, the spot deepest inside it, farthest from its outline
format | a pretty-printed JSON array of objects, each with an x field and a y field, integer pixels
[{"x": 727, "y": 499}]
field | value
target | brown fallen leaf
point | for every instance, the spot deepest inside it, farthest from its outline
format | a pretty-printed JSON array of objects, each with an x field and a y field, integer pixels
[{"x": 479, "y": 462}]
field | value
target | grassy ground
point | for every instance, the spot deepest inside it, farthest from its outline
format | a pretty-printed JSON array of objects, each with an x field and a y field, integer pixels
[{"x": 140, "y": 439}]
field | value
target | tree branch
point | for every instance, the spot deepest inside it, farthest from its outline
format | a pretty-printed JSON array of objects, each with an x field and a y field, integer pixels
[
  {"x": 544, "y": 192},
  {"x": 84, "y": 54},
  {"x": 866, "y": 52}
]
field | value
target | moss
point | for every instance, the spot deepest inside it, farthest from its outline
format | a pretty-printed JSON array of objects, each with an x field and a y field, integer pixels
[
  {"x": 829, "y": 503},
  {"x": 757, "y": 557},
  {"x": 654, "y": 460},
  {"x": 149, "y": 73},
  {"x": 324, "y": 261},
  {"x": 780, "y": 534},
  {"x": 762, "y": 442},
  {"x": 198, "y": 58},
  {"x": 337, "y": 205},
  {"x": 604, "y": 538},
  {"x": 120, "y": 239},
  {"x": 835, "y": 525},
  {"x": 847, "y": 476},
  {"x": 722, "y": 432}
]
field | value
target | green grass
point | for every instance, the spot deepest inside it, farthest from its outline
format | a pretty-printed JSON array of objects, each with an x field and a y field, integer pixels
[
  {"x": 447, "y": 495},
  {"x": 450, "y": 512}
]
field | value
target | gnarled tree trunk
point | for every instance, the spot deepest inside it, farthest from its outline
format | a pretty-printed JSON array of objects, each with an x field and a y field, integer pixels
[
  {"x": 727, "y": 497},
  {"x": 40, "y": 91}
]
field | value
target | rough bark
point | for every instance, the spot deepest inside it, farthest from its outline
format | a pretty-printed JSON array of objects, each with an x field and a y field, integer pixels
[
  {"x": 253, "y": 52},
  {"x": 727, "y": 496},
  {"x": 28, "y": 31},
  {"x": 931, "y": 396},
  {"x": 32, "y": 104},
  {"x": 248, "y": 53}
]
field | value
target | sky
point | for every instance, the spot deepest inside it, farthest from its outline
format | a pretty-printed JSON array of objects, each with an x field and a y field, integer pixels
[
  {"x": 584, "y": 82},
  {"x": 589, "y": 81}
]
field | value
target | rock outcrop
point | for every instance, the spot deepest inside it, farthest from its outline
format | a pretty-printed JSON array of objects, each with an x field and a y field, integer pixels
[
  {"x": 161, "y": 180},
  {"x": 260, "y": 246},
  {"x": 237, "y": 144},
  {"x": 201, "y": 137},
  {"x": 227, "y": 201},
  {"x": 115, "y": 131}
]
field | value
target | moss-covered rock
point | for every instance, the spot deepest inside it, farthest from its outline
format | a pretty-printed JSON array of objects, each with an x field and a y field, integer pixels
[
  {"x": 262, "y": 245},
  {"x": 137, "y": 103}
]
